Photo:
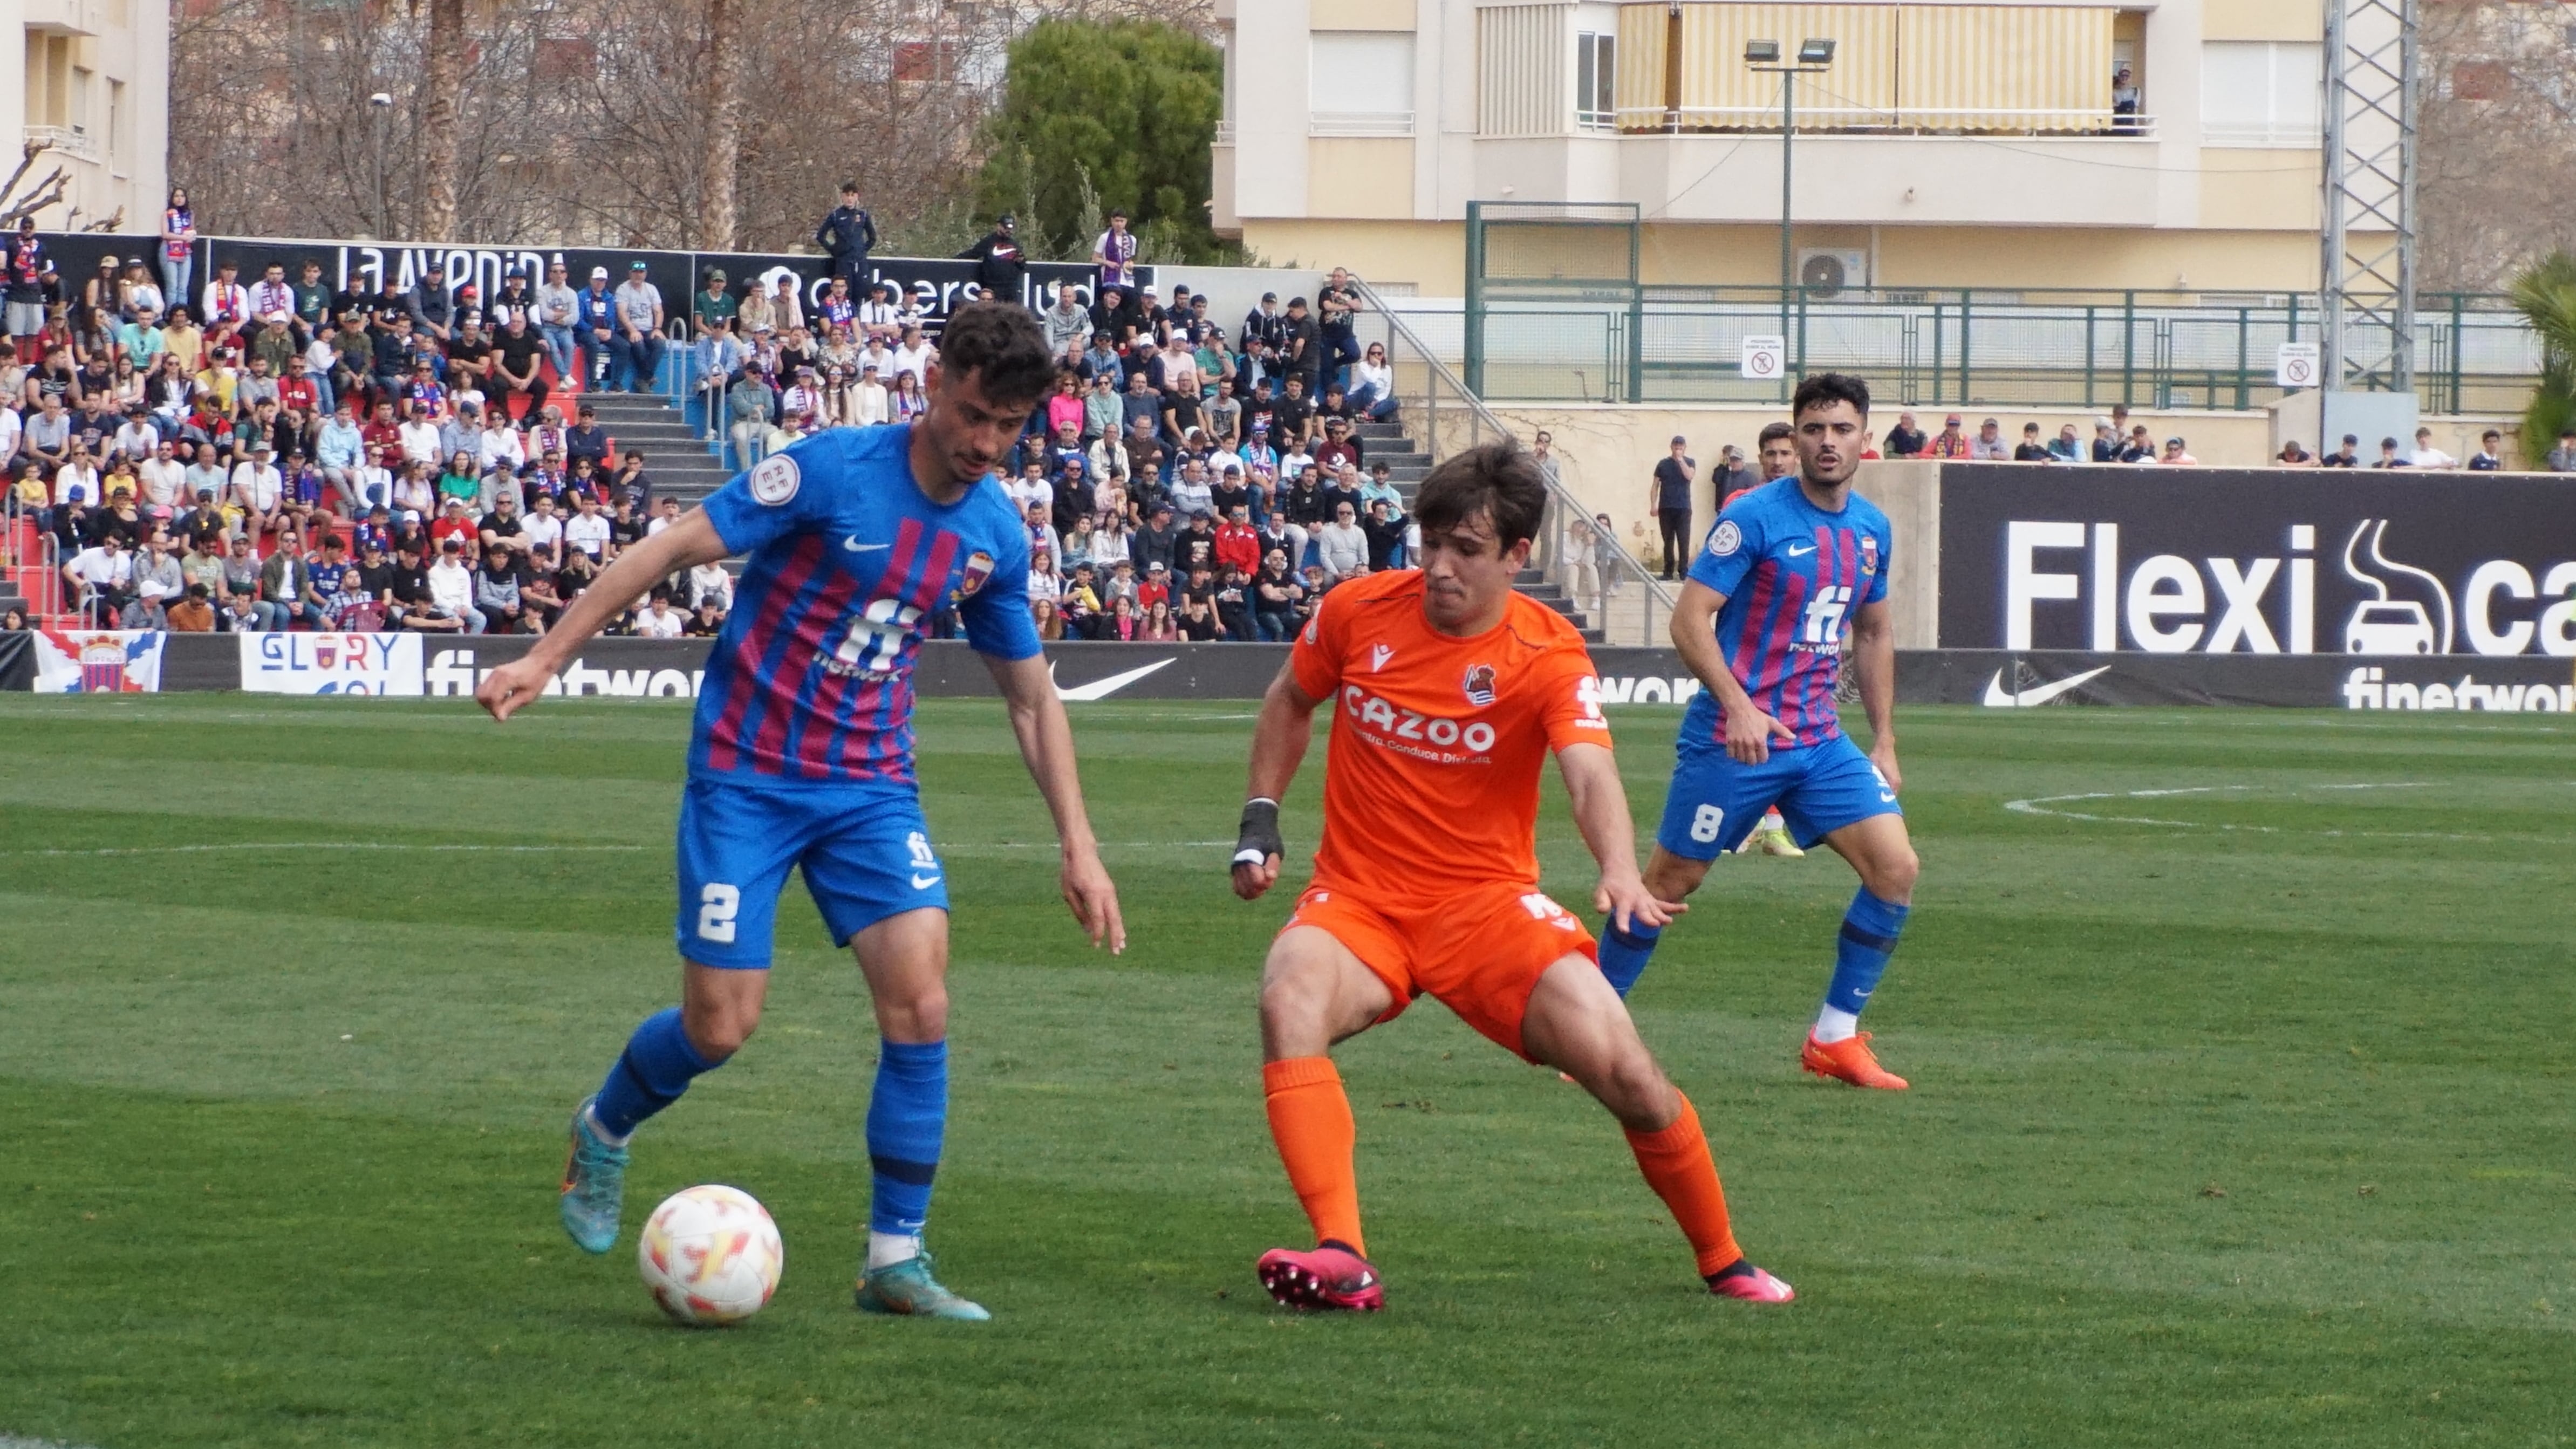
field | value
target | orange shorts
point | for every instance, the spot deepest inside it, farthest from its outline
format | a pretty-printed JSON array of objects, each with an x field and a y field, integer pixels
[{"x": 1480, "y": 952}]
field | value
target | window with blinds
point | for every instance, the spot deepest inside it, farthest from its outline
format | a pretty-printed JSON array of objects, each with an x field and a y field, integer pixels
[
  {"x": 1521, "y": 70},
  {"x": 2031, "y": 69}
]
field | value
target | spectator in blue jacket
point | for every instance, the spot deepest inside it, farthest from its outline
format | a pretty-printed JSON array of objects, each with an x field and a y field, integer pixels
[{"x": 847, "y": 236}]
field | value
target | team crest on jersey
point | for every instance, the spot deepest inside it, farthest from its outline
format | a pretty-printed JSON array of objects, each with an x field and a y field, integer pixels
[
  {"x": 1868, "y": 553},
  {"x": 1726, "y": 538},
  {"x": 1480, "y": 685},
  {"x": 979, "y": 567},
  {"x": 774, "y": 479}
]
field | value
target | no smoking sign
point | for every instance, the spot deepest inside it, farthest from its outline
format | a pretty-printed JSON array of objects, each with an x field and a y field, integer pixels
[{"x": 1764, "y": 357}]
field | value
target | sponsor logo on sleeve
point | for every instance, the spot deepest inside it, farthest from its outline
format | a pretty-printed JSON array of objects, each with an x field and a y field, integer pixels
[{"x": 774, "y": 479}]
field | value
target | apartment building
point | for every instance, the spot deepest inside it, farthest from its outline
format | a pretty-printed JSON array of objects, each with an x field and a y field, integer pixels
[
  {"x": 1959, "y": 144},
  {"x": 96, "y": 86}
]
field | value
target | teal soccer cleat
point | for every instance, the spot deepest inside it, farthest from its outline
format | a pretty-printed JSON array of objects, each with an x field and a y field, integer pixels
[
  {"x": 908, "y": 1288},
  {"x": 594, "y": 1186}
]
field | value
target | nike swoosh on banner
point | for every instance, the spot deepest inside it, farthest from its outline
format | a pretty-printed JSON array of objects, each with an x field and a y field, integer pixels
[
  {"x": 853, "y": 545},
  {"x": 1102, "y": 688},
  {"x": 1997, "y": 697}
]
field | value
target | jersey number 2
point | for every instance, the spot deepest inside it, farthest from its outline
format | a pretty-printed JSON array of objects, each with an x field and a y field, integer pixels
[{"x": 718, "y": 903}]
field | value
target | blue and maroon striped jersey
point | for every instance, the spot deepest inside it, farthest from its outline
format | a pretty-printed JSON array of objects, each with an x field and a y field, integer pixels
[
  {"x": 811, "y": 680},
  {"x": 1793, "y": 576}
]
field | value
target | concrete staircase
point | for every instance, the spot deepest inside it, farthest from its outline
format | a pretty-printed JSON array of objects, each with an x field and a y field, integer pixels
[
  {"x": 1407, "y": 464},
  {"x": 675, "y": 456}
]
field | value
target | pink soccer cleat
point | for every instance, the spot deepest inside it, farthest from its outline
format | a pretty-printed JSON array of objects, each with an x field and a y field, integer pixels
[
  {"x": 1328, "y": 1277},
  {"x": 1750, "y": 1284}
]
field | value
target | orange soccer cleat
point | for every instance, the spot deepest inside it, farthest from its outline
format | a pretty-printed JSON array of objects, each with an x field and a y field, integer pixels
[{"x": 1848, "y": 1060}]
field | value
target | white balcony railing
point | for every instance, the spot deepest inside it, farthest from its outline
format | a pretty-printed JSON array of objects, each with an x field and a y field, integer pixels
[
  {"x": 1225, "y": 133},
  {"x": 69, "y": 140},
  {"x": 1909, "y": 121},
  {"x": 1360, "y": 123}
]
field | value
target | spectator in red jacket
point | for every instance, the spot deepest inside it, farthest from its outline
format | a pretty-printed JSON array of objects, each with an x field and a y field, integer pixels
[{"x": 1238, "y": 543}]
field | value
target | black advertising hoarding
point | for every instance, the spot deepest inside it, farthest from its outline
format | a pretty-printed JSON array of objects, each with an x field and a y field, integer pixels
[
  {"x": 939, "y": 284},
  {"x": 2388, "y": 565}
]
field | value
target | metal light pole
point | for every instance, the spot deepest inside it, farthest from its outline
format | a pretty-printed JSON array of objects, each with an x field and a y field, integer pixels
[
  {"x": 377, "y": 105},
  {"x": 1815, "y": 56}
]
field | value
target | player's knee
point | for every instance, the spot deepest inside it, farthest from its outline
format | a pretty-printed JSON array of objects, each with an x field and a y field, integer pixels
[
  {"x": 1637, "y": 1093},
  {"x": 1672, "y": 877},
  {"x": 1892, "y": 875},
  {"x": 718, "y": 1033}
]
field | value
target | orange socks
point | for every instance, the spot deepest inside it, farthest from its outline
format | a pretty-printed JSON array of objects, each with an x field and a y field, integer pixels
[
  {"x": 1311, "y": 1121},
  {"x": 1677, "y": 1165}
]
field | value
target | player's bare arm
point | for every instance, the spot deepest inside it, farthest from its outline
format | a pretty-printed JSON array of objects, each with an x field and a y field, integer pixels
[
  {"x": 1046, "y": 743},
  {"x": 1749, "y": 731},
  {"x": 1601, "y": 812},
  {"x": 684, "y": 545},
  {"x": 1279, "y": 741},
  {"x": 1874, "y": 657}
]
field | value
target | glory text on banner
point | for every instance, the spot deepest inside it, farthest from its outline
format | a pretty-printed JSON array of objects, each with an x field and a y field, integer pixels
[
  {"x": 2226, "y": 561},
  {"x": 370, "y": 664}
]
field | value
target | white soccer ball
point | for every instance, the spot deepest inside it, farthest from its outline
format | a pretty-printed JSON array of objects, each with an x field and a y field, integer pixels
[{"x": 710, "y": 1255}]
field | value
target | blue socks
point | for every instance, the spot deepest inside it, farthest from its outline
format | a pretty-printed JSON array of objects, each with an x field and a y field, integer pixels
[
  {"x": 907, "y": 1115},
  {"x": 1624, "y": 953},
  {"x": 1870, "y": 929},
  {"x": 649, "y": 1076}
]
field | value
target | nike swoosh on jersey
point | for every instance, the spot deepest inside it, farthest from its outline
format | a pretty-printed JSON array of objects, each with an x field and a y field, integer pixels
[
  {"x": 1793, "y": 551},
  {"x": 924, "y": 882},
  {"x": 853, "y": 545},
  {"x": 1997, "y": 697}
]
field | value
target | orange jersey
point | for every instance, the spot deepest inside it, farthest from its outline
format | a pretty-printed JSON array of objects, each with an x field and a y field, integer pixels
[{"x": 1431, "y": 781}]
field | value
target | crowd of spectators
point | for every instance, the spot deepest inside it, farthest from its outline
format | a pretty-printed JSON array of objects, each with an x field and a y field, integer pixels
[
  {"x": 272, "y": 452},
  {"x": 2116, "y": 439},
  {"x": 275, "y": 453},
  {"x": 1184, "y": 480}
]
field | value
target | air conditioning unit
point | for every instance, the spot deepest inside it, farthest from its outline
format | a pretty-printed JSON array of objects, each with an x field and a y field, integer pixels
[{"x": 1828, "y": 271}]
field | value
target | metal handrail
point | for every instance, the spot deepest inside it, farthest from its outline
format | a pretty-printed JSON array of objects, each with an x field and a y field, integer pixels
[{"x": 1562, "y": 544}]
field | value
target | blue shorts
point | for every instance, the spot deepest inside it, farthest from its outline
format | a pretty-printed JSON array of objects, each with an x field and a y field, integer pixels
[
  {"x": 1714, "y": 803},
  {"x": 864, "y": 850}
]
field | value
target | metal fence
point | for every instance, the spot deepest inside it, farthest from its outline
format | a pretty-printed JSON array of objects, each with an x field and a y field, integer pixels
[
  {"x": 1614, "y": 590},
  {"x": 1612, "y": 342}
]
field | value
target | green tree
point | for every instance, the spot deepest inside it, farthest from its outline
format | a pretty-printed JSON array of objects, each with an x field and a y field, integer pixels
[
  {"x": 2546, "y": 295},
  {"x": 1107, "y": 115}
]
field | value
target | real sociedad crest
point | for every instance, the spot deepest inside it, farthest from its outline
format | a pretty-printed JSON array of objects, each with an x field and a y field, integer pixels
[{"x": 1480, "y": 685}]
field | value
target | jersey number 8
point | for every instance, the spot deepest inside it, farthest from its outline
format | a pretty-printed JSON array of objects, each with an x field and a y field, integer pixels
[{"x": 1706, "y": 822}]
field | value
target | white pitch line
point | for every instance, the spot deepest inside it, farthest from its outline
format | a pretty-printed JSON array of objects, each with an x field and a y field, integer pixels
[
  {"x": 314, "y": 845},
  {"x": 2038, "y": 805}
]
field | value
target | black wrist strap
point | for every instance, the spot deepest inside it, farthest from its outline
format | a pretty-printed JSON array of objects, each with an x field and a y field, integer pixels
[{"x": 1257, "y": 838}]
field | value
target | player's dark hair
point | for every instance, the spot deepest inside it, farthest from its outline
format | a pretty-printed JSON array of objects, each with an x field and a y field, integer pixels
[
  {"x": 1500, "y": 480},
  {"x": 1774, "y": 432},
  {"x": 1003, "y": 346},
  {"x": 1824, "y": 388}
]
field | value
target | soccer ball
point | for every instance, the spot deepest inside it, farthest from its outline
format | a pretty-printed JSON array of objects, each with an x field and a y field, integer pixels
[{"x": 710, "y": 1255}]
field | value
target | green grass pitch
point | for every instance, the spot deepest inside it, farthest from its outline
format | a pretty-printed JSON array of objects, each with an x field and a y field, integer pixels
[{"x": 2248, "y": 1127}]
